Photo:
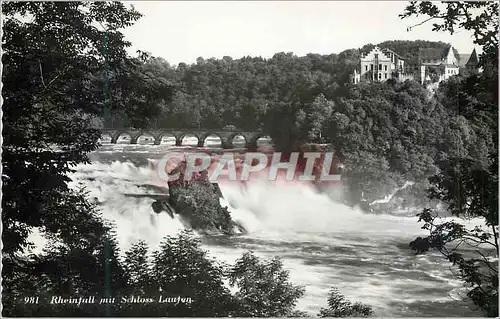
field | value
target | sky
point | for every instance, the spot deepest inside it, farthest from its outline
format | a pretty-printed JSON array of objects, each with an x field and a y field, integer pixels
[{"x": 182, "y": 31}]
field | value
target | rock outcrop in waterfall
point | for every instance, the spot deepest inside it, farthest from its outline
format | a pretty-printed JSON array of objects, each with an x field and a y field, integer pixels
[{"x": 196, "y": 202}]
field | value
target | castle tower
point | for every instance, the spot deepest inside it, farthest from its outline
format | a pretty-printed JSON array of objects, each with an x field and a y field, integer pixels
[{"x": 473, "y": 62}]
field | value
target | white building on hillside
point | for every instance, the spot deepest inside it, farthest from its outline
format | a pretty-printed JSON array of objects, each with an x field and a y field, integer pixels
[
  {"x": 434, "y": 65},
  {"x": 380, "y": 65}
]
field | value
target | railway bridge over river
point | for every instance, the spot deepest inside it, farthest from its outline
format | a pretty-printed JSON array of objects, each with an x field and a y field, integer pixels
[{"x": 157, "y": 135}]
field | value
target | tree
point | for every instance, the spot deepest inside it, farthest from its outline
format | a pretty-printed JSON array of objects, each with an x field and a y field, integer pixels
[
  {"x": 479, "y": 17},
  {"x": 49, "y": 102},
  {"x": 264, "y": 289},
  {"x": 54, "y": 57},
  {"x": 285, "y": 124},
  {"x": 471, "y": 191},
  {"x": 384, "y": 134},
  {"x": 317, "y": 116},
  {"x": 468, "y": 181},
  {"x": 143, "y": 88},
  {"x": 80, "y": 258},
  {"x": 182, "y": 268},
  {"x": 338, "y": 306}
]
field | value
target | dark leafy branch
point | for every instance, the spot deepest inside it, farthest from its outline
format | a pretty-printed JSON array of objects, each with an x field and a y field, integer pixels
[{"x": 479, "y": 17}]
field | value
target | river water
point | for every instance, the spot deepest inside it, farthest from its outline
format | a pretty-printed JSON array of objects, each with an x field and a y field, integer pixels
[{"x": 321, "y": 242}]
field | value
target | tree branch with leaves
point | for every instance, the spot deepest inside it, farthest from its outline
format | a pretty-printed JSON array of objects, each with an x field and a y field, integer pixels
[{"x": 479, "y": 17}]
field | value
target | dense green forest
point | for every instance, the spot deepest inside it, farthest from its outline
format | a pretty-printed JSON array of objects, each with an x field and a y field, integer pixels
[
  {"x": 68, "y": 65},
  {"x": 214, "y": 93}
]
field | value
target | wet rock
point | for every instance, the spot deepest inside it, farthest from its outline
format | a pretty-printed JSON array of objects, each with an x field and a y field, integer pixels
[
  {"x": 420, "y": 245},
  {"x": 196, "y": 201},
  {"x": 365, "y": 207},
  {"x": 155, "y": 188},
  {"x": 238, "y": 228},
  {"x": 162, "y": 206}
]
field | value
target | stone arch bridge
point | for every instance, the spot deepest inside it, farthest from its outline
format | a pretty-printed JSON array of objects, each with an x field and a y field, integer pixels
[{"x": 226, "y": 137}]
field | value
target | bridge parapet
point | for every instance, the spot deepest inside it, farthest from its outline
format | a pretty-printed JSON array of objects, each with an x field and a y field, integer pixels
[{"x": 226, "y": 137}]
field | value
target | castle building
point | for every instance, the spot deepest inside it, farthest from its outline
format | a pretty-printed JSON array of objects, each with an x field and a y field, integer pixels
[
  {"x": 380, "y": 65},
  {"x": 437, "y": 64},
  {"x": 433, "y": 65}
]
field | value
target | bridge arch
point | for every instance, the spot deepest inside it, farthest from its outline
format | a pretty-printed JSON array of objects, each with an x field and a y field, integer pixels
[
  {"x": 120, "y": 134},
  {"x": 229, "y": 142},
  {"x": 137, "y": 136},
  {"x": 204, "y": 136},
  {"x": 159, "y": 137},
  {"x": 181, "y": 136},
  {"x": 106, "y": 137}
]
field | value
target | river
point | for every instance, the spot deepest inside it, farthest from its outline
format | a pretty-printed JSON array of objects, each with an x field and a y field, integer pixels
[{"x": 323, "y": 243}]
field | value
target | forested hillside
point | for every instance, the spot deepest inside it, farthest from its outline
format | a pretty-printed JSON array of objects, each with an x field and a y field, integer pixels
[{"x": 219, "y": 92}]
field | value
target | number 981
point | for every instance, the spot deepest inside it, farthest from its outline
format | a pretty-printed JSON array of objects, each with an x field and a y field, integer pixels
[{"x": 30, "y": 300}]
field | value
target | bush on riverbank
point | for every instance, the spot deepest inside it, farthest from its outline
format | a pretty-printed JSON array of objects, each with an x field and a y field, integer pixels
[
  {"x": 339, "y": 306},
  {"x": 264, "y": 289},
  {"x": 179, "y": 268},
  {"x": 182, "y": 267}
]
